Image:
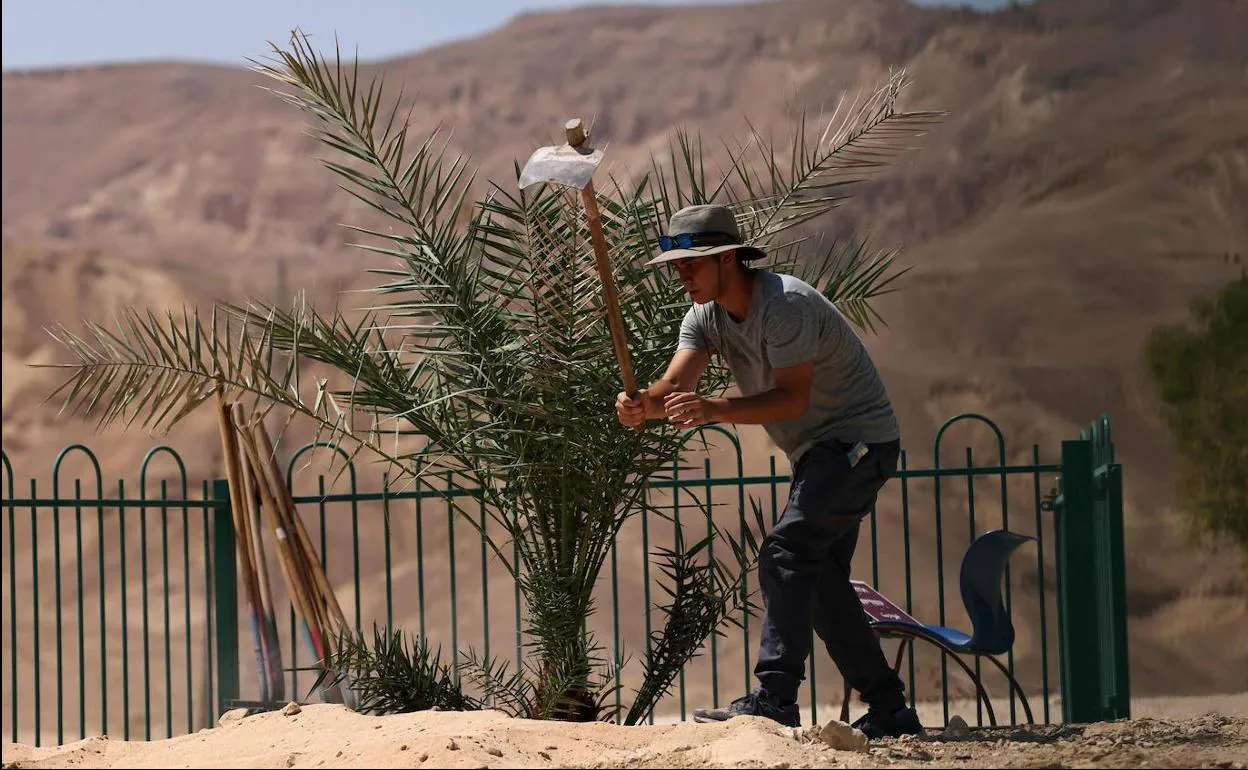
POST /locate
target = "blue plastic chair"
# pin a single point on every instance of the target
(992, 632)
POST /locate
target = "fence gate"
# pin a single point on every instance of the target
(1092, 580)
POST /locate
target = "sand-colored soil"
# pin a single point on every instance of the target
(331, 736)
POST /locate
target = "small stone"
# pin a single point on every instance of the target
(290, 709)
(494, 752)
(232, 716)
(290, 760)
(403, 747)
(808, 734)
(957, 728)
(339, 754)
(543, 755)
(423, 756)
(551, 748)
(452, 746)
(840, 735)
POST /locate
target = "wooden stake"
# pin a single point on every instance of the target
(268, 616)
(295, 582)
(326, 591)
(242, 541)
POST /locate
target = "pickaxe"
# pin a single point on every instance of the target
(573, 165)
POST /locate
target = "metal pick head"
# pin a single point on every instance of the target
(563, 165)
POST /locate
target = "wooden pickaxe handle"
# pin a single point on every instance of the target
(575, 131)
(576, 136)
(614, 318)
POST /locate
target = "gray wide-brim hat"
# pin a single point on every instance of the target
(714, 229)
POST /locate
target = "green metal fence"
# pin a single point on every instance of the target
(148, 635)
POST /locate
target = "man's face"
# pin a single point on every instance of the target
(698, 277)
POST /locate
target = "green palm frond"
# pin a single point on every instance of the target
(704, 593)
(513, 692)
(860, 139)
(393, 675)
(851, 274)
(156, 370)
(426, 190)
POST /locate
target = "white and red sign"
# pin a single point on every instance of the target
(879, 607)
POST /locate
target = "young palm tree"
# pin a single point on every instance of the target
(491, 348)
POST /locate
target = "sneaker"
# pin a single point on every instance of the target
(758, 703)
(876, 724)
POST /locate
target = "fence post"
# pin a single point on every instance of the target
(225, 592)
(1116, 688)
(1080, 626)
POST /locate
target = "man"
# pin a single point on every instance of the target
(807, 379)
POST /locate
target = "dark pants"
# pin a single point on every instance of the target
(804, 571)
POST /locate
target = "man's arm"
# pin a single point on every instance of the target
(682, 374)
(791, 344)
(789, 399)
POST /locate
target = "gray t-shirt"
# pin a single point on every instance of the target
(789, 322)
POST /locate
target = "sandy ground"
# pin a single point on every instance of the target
(331, 736)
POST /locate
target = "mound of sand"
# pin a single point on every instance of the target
(324, 735)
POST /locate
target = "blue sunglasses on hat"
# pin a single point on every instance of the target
(692, 240)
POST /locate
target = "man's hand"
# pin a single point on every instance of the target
(631, 411)
(688, 410)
